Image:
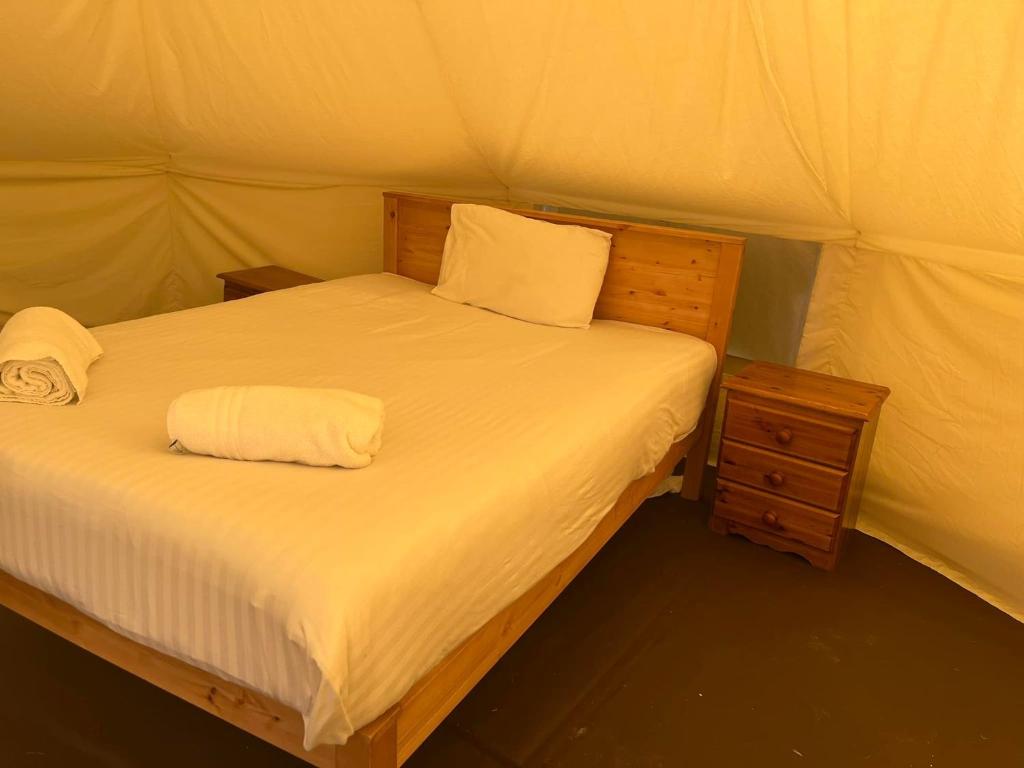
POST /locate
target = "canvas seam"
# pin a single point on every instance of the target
(446, 77)
(177, 282)
(757, 27)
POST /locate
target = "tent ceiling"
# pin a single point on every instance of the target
(893, 121)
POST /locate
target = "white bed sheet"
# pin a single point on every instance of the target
(334, 590)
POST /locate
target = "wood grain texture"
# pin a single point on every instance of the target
(249, 282)
(434, 696)
(787, 431)
(815, 556)
(723, 304)
(250, 711)
(234, 292)
(777, 515)
(809, 389)
(386, 742)
(390, 234)
(794, 456)
(785, 475)
(660, 276)
(372, 746)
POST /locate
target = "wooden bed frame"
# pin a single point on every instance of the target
(661, 276)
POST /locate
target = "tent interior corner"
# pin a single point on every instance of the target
(872, 152)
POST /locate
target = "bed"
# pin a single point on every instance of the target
(342, 615)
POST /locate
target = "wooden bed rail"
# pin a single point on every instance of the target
(661, 276)
(389, 740)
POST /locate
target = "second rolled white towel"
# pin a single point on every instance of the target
(319, 427)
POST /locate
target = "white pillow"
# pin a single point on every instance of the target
(521, 267)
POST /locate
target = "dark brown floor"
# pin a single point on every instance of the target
(674, 648)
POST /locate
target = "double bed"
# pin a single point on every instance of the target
(342, 614)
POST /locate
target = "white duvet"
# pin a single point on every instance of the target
(333, 590)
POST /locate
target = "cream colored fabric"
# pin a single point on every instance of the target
(524, 268)
(146, 146)
(45, 357)
(334, 591)
(947, 473)
(316, 427)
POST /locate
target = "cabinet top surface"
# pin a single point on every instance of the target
(269, 278)
(819, 391)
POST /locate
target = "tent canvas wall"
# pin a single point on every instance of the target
(147, 145)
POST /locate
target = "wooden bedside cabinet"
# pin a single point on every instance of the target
(794, 453)
(249, 282)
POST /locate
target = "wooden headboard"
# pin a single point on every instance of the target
(662, 276)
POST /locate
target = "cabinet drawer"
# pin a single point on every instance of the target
(232, 292)
(821, 441)
(774, 514)
(782, 475)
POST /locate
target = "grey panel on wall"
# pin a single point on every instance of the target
(775, 290)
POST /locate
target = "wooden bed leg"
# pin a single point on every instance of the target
(372, 746)
(696, 462)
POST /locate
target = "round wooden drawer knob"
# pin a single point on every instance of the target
(770, 519)
(783, 436)
(776, 478)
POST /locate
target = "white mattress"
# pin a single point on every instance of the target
(334, 590)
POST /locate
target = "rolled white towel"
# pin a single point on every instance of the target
(44, 356)
(319, 427)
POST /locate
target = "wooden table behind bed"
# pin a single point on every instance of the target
(660, 276)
